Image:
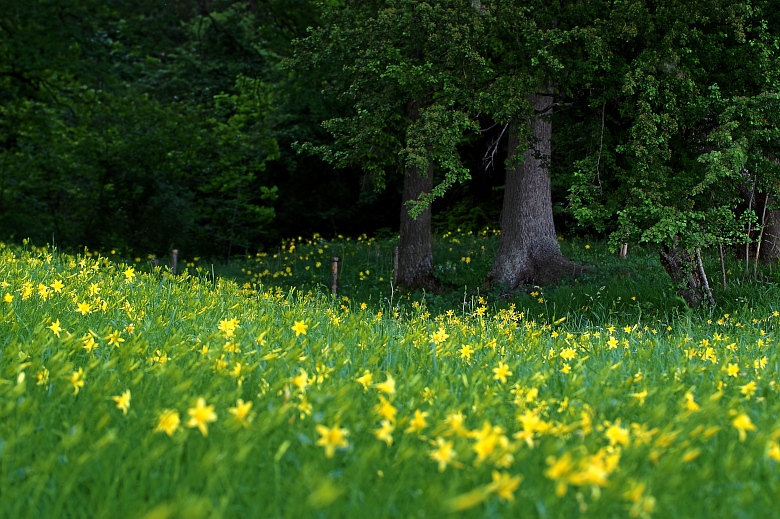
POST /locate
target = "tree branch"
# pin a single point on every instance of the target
(490, 154)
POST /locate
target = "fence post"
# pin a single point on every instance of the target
(334, 275)
(174, 260)
(623, 250)
(395, 265)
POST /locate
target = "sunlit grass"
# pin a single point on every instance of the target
(126, 393)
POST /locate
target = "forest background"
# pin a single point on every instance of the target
(220, 127)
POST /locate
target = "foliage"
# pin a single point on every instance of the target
(399, 66)
(689, 95)
(108, 142)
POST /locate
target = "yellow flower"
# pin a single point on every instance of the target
(439, 336)
(57, 286)
(417, 423)
(501, 372)
(122, 401)
(690, 403)
(388, 386)
(228, 327)
(241, 411)
(742, 423)
(8, 298)
(774, 451)
(77, 379)
(83, 308)
(732, 370)
(129, 273)
(332, 439)
(385, 432)
(168, 422)
(114, 339)
(617, 434)
(55, 327)
(455, 422)
(532, 423)
(504, 485)
(301, 380)
(365, 379)
(748, 389)
(559, 471)
(640, 396)
(201, 415)
(568, 353)
(43, 377)
(89, 343)
(43, 291)
(691, 455)
(443, 454)
(465, 352)
(643, 505)
(486, 440)
(299, 328)
(385, 409)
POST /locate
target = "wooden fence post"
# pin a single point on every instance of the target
(623, 250)
(174, 260)
(334, 275)
(395, 265)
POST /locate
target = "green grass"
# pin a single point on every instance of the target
(617, 291)
(630, 406)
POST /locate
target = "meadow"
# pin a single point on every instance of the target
(249, 390)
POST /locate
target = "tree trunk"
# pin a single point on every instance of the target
(770, 237)
(528, 249)
(769, 219)
(688, 277)
(770, 250)
(415, 254)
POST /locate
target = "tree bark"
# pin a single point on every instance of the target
(528, 249)
(769, 219)
(415, 253)
(770, 237)
(689, 279)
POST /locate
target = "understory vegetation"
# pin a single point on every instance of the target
(126, 391)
